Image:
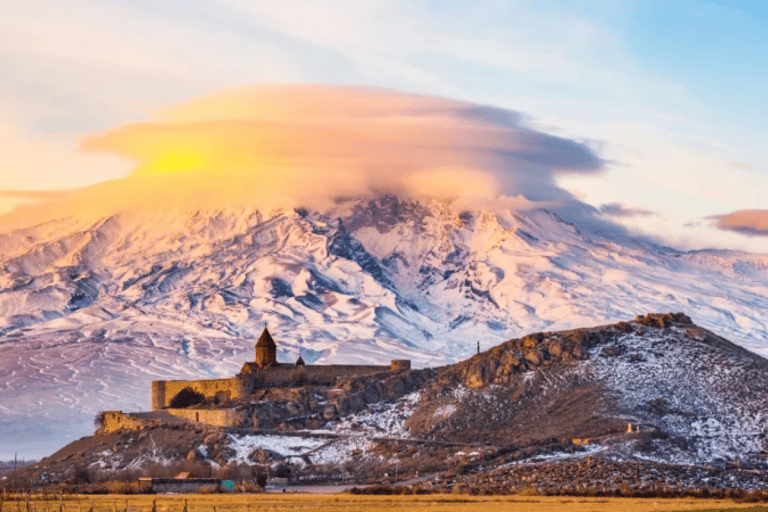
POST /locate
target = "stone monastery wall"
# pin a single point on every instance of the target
(213, 417)
(116, 420)
(295, 376)
(265, 372)
(240, 386)
(163, 391)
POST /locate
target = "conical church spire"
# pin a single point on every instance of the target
(265, 350)
(265, 340)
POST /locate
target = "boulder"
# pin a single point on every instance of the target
(533, 356)
(478, 375)
(532, 340)
(329, 412)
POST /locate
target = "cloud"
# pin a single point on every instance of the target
(33, 195)
(315, 142)
(48, 162)
(743, 166)
(12, 199)
(620, 210)
(746, 222)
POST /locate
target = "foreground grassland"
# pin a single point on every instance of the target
(351, 503)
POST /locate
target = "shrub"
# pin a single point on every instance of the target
(381, 490)
(187, 397)
(249, 487)
(98, 420)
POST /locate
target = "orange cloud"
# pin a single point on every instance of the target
(305, 142)
(11, 199)
(288, 146)
(746, 222)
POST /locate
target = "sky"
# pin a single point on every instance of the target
(658, 108)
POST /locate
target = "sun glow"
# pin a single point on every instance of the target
(173, 161)
(273, 146)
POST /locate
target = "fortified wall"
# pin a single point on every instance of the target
(292, 376)
(164, 391)
(213, 417)
(112, 421)
(118, 420)
(264, 372)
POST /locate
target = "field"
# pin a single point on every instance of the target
(351, 503)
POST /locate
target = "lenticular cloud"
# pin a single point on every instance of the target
(313, 142)
(746, 222)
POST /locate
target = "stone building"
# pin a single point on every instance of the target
(264, 372)
(266, 351)
(180, 484)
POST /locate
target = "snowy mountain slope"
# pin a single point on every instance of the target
(90, 312)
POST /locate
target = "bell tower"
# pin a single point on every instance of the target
(266, 350)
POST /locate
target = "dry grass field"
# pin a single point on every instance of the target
(351, 503)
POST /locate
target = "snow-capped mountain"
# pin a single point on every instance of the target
(91, 312)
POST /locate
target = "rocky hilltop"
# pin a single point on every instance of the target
(652, 402)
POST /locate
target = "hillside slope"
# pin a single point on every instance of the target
(693, 399)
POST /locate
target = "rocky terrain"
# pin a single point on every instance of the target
(652, 403)
(598, 476)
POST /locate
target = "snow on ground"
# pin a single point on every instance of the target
(320, 450)
(287, 446)
(713, 397)
(353, 435)
(444, 411)
(380, 420)
(588, 451)
(111, 460)
(342, 450)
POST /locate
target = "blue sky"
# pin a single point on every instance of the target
(715, 50)
(669, 93)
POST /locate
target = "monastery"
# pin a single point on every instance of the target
(264, 372)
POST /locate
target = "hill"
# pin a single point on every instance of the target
(555, 406)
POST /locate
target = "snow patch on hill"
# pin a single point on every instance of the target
(702, 395)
